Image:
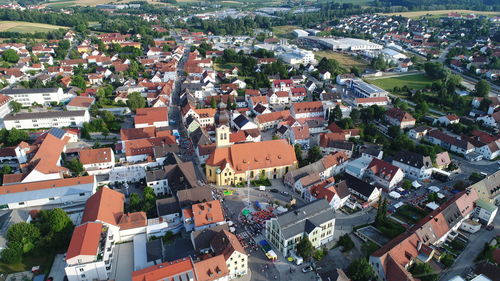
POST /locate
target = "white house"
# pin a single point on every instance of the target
(384, 174)
(485, 211)
(414, 165)
(307, 110)
(97, 161)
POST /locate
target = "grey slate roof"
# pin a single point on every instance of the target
(202, 238)
(188, 197)
(305, 218)
(154, 250)
(167, 206)
(413, 159)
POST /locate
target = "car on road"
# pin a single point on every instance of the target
(274, 190)
(284, 193)
(489, 227)
(307, 269)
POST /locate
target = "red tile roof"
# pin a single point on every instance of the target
(39, 185)
(80, 101)
(151, 115)
(133, 220)
(207, 213)
(106, 205)
(211, 269)
(166, 271)
(85, 240)
(94, 156)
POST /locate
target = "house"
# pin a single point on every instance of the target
(201, 239)
(300, 135)
(279, 98)
(414, 165)
(43, 96)
(315, 220)
(487, 188)
(336, 194)
(241, 122)
(228, 246)
(171, 178)
(325, 75)
(327, 167)
(212, 268)
(271, 120)
(443, 160)
(97, 161)
(393, 260)
(152, 116)
(282, 85)
(362, 190)
(418, 132)
(485, 212)
(89, 253)
(46, 119)
(80, 103)
(400, 118)
(345, 79)
(490, 120)
(333, 142)
(307, 110)
(42, 193)
(448, 120)
(490, 150)
(232, 164)
(384, 174)
(204, 215)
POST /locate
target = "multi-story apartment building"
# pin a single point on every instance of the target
(43, 96)
(47, 119)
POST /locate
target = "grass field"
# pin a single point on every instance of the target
(417, 14)
(27, 27)
(413, 81)
(284, 30)
(346, 61)
(68, 3)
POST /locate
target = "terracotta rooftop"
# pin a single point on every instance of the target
(94, 156)
(106, 205)
(80, 101)
(182, 269)
(23, 187)
(211, 269)
(133, 220)
(207, 213)
(85, 240)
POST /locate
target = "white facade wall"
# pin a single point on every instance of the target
(41, 98)
(87, 272)
(56, 122)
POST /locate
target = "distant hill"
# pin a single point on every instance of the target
(427, 4)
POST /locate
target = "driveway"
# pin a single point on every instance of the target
(57, 271)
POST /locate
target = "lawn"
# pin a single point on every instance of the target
(44, 261)
(390, 228)
(345, 60)
(413, 81)
(409, 213)
(27, 27)
(284, 30)
(226, 66)
(417, 14)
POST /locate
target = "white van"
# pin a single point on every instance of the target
(262, 188)
(298, 260)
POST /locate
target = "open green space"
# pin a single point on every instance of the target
(27, 27)
(37, 258)
(284, 30)
(412, 81)
(409, 214)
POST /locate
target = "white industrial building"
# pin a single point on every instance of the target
(43, 96)
(345, 44)
(42, 193)
(47, 119)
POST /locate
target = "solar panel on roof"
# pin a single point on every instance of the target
(58, 133)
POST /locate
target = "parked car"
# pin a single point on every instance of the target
(274, 190)
(307, 269)
(489, 227)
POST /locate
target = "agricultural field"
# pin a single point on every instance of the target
(67, 3)
(413, 81)
(27, 27)
(346, 61)
(417, 14)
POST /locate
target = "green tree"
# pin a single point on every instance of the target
(314, 154)
(135, 101)
(75, 166)
(11, 256)
(298, 152)
(422, 108)
(58, 220)
(10, 55)
(435, 70)
(24, 235)
(15, 136)
(407, 184)
(79, 82)
(355, 115)
(107, 116)
(394, 131)
(213, 102)
(335, 115)
(482, 88)
(360, 270)
(305, 248)
(346, 242)
(424, 272)
(15, 106)
(134, 202)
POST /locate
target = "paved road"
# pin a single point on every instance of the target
(465, 261)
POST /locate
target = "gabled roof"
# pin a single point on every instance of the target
(183, 269)
(98, 155)
(383, 169)
(225, 243)
(106, 205)
(211, 269)
(85, 240)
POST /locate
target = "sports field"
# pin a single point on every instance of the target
(27, 27)
(417, 14)
(413, 81)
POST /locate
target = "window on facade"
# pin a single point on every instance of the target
(82, 194)
(21, 203)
